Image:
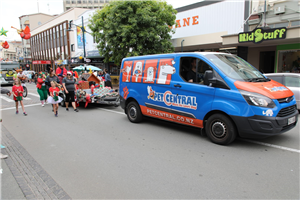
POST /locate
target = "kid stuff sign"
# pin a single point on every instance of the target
(259, 35)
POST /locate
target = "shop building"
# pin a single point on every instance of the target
(200, 26)
(87, 4)
(51, 40)
(32, 21)
(217, 26)
(271, 53)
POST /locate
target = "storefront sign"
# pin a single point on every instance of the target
(187, 21)
(35, 62)
(96, 60)
(259, 35)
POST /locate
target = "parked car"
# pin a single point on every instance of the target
(290, 80)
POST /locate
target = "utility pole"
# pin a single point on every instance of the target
(38, 5)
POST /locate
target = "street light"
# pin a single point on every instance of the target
(83, 35)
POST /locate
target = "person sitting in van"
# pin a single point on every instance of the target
(191, 75)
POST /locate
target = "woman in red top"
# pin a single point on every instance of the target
(17, 91)
(54, 98)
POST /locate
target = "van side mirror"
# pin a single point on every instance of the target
(209, 77)
(211, 80)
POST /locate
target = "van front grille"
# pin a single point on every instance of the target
(287, 111)
(286, 100)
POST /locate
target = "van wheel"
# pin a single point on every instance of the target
(220, 129)
(134, 113)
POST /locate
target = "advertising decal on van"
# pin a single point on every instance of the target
(271, 89)
(165, 71)
(126, 71)
(173, 99)
(137, 73)
(192, 121)
(150, 71)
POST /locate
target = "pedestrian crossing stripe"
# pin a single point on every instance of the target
(36, 95)
(11, 100)
(6, 99)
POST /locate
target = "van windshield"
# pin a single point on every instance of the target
(236, 68)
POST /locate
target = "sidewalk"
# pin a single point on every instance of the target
(24, 178)
(9, 186)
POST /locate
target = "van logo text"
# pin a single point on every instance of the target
(170, 99)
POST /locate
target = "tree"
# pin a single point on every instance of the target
(133, 28)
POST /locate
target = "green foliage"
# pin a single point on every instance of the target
(133, 28)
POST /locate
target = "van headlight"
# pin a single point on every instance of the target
(255, 99)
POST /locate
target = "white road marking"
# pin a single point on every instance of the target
(121, 113)
(251, 141)
(272, 145)
(6, 99)
(36, 95)
(11, 108)
(27, 98)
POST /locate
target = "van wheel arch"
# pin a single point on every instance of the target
(133, 111)
(218, 112)
(128, 101)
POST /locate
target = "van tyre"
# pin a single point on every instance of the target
(134, 113)
(220, 129)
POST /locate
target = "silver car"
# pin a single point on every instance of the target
(290, 80)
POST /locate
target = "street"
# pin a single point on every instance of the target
(98, 154)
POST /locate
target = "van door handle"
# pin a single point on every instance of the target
(177, 85)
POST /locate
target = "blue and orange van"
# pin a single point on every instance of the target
(217, 92)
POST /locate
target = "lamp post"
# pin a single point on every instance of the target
(182, 45)
(83, 36)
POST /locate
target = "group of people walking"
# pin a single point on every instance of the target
(50, 86)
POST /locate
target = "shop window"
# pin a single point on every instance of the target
(84, 1)
(101, 1)
(90, 1)
(95, 1)
(72, 47)
(107, 1)
(285, 24)
(79, 1)
(67, 2)
(288, 61)
(73, 2)
(114, 70)
(295, 23)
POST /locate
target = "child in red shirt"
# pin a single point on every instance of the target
(17, 91)
(54, 98)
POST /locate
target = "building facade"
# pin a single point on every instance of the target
(201, 25)
(223, 26)
(273, 30)
(51, 40)
(32, 21)
(88, 4)
(13, 52)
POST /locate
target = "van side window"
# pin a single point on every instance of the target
(192, 69)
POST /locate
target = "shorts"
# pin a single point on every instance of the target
(70, 97)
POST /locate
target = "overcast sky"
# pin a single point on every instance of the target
(11, 10)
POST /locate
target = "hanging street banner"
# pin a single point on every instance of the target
(259, 35)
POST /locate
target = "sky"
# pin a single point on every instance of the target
(11, 10)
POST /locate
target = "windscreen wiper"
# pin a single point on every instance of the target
(258, 80)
